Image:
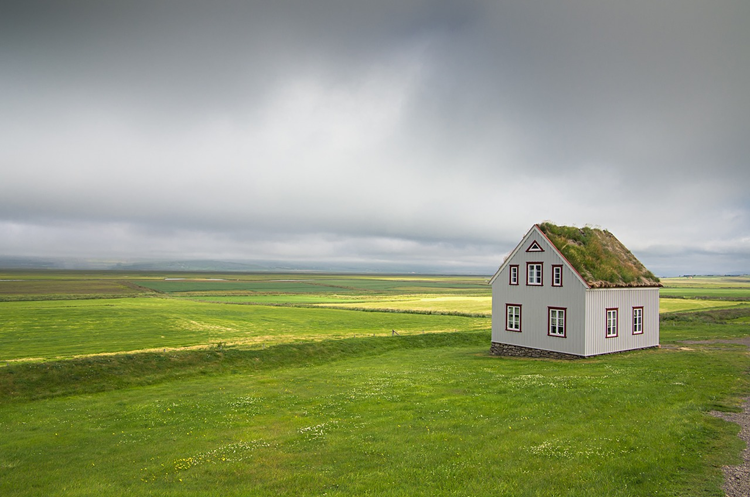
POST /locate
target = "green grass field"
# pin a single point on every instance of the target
(708, 287)
(684, 305)
(243, 398)
(385, 416)
(708, 282)
(67, 328)
(320, 284)
(707, 293)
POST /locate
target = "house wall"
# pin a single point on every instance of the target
(535, 301)
(622, 299)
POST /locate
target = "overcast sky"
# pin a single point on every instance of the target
(407, 132)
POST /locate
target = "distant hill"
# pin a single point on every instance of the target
(29, 263)
(194, 265)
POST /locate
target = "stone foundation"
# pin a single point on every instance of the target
(507, 350)
(504, 349)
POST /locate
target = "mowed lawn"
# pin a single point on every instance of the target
(429, 417)
(50, 329)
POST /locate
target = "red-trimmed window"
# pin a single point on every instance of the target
(534, 273)
(557, 275)
(611, 323)
(513, 317)
(513, 275)
(556, 321)
(637, 320)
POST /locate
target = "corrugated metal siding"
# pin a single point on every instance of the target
(535, 301)
(622, 299)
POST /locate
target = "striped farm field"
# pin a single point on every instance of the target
(281, 298)
(738, 293)
(54, 329)
(301, 284)
(707, 282)
(69, 288)
(684, 305)
(708, 287)
(458, 304)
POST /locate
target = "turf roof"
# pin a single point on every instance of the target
(599, 257)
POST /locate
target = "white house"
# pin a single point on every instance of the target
(567, 291)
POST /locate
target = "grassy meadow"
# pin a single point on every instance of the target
(249, 384)
(61, 329)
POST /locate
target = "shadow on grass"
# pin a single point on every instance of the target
(32, 381)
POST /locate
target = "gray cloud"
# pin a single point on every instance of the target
(387, 131)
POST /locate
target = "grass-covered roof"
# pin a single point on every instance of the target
(599, 257)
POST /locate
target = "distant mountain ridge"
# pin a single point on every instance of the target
(191, 265)
(220, 266)
(28, 263)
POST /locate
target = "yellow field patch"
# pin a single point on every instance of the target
(433, 303)
(483, 305)
(189, 324)
(677, 305)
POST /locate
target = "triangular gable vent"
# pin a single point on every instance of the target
(534, 247)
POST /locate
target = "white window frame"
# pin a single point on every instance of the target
(536, 273)
(513, 279)
(638, 320)
(513, 317)
(612, 323)
(557, 273)
(556, 325)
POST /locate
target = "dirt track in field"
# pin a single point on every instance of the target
(737, 478)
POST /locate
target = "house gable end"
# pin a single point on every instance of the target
(510, 257)
(535, 241)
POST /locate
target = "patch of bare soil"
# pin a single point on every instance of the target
(737, 478)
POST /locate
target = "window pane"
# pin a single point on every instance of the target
(557, 322)
(534, 274)
(514, 318)
(612, 322)
(637, 320)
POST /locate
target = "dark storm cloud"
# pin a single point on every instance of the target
(375, 131)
